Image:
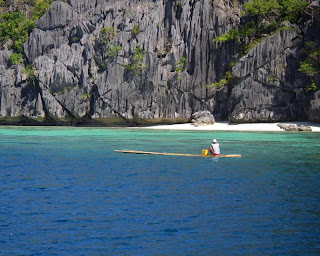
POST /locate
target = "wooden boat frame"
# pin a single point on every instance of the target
(170, 154)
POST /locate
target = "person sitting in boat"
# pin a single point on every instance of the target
(214, 148)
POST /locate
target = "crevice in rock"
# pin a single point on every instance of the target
(93, 92)
(48, 116)
(168, 17)
(66, 109)
(201, 100)
(96, 96)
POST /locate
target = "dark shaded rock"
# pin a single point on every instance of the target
(203, 118)
(314, 112)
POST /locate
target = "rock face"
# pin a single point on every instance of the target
(202, 118)
(88, 67)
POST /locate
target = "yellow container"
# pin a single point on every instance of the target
(204, 152)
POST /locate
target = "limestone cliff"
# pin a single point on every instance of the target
(112, 61)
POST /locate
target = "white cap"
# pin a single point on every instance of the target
(214, 141)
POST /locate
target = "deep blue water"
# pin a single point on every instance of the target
(63, 191)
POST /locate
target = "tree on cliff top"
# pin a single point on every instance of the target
(16, 27)
(14, 22)
(268, 15)
(271, 13)
(263, 18)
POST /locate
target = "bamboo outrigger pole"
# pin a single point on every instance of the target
(169, 154)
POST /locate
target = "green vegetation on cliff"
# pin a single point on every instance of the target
(135, 31)
(310, 65)
(15, 58)
(262, 18)
(107, 34)
(31, 73)
(106, 37)
(40, 7)
(268, 15)
(16, 25)
(136, 63)
(276, 11)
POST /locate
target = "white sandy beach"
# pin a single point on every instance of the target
(227, 126)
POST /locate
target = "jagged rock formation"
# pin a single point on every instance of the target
(84, 77)
(294, 128)
(202, 118)
(270, 88)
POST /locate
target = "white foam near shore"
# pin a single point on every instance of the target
(227, 126)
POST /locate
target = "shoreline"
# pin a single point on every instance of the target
(218, 126)
(228, 126)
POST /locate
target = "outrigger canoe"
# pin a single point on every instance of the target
(169, 154)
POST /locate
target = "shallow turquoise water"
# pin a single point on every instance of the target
(65, 192)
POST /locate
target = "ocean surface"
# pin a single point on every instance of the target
(63, 191)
